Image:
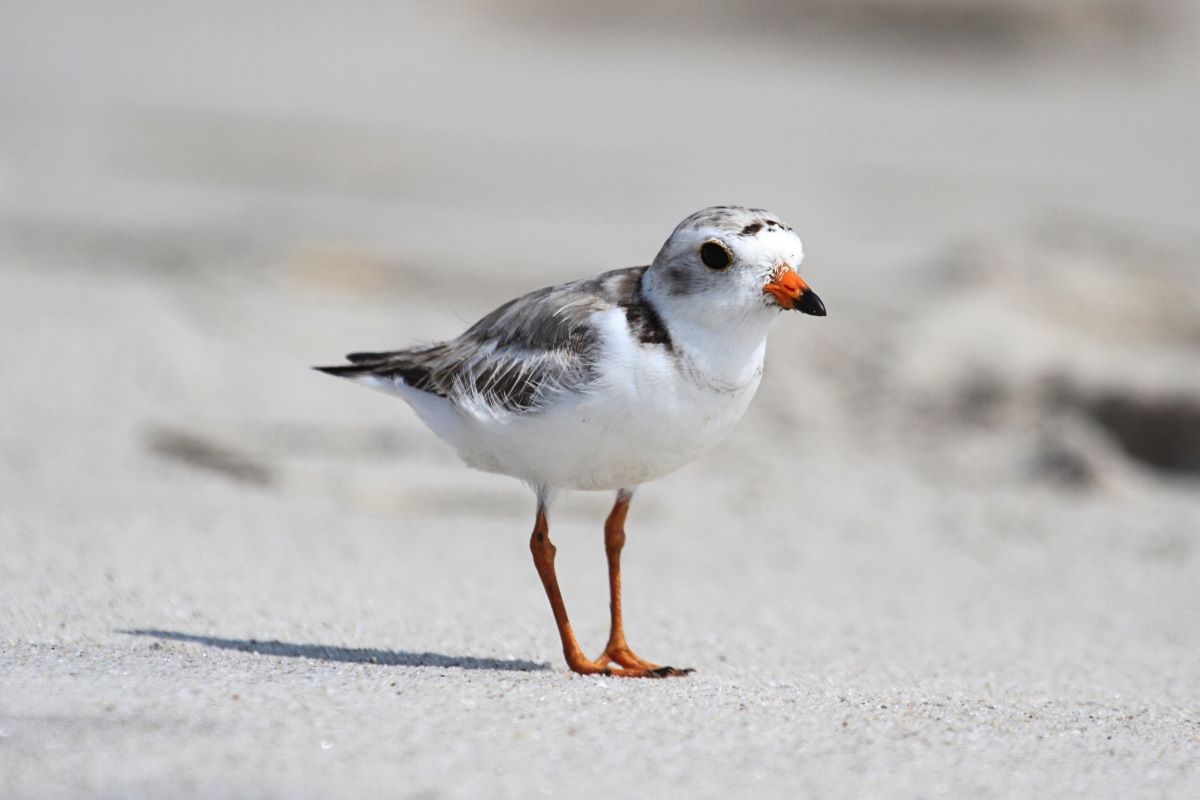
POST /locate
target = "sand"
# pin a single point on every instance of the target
(953, 549)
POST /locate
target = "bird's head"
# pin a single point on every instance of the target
(727, 264)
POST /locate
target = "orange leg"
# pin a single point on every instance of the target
(543, 558)
(617, 648)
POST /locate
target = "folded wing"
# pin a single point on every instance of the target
(517, 359)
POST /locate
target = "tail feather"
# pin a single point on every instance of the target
(409, 366)
(360, 364)
(414, 375)
(346, 370)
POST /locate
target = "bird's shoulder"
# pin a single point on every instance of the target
(560, 317)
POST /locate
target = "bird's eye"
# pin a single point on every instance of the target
(715, 255)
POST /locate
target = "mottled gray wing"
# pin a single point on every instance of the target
(520, 356)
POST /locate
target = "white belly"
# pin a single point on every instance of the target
(650, 413)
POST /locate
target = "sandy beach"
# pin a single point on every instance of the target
(952, 550)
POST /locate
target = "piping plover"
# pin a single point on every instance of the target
(608, 382)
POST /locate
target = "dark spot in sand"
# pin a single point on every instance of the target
(1162, 432)
(205, 454)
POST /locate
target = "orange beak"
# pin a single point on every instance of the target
(791, 292)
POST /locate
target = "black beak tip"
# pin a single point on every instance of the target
(810, 304)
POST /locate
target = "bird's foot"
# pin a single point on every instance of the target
(619, 672)
(584, 666)
(635, 666)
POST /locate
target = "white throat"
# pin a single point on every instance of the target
(722, 356)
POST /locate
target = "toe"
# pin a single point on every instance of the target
(668, 672)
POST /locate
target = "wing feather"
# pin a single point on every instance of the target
(519, 357)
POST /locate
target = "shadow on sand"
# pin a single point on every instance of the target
(352, 655)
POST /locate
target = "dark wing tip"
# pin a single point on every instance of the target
(360, 364)
(342, 371)
(363, 358)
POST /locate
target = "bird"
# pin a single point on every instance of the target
(608, 382)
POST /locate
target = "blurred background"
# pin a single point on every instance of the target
(983, 465)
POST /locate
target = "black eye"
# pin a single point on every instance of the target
(715, 255)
